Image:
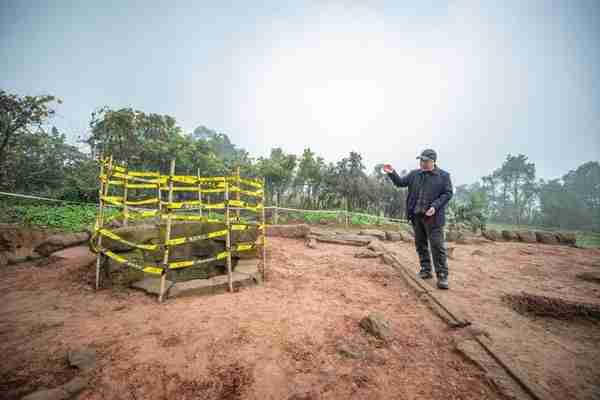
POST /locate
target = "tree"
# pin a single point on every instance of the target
(512, 189)
(278, 171)
(19, 117)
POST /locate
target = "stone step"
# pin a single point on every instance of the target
(246, 274)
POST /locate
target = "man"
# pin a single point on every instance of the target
(429, 190)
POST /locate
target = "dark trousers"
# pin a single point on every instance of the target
(428, 235)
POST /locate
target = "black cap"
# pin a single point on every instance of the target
(428, 154)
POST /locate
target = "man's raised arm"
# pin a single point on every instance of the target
(399, 181)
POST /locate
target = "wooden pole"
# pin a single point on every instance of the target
(237, 193)
(199, 191)
(264, 233)
(159, 195)
(163, 277)
(100, 219)
(125, 208)
(228, 238)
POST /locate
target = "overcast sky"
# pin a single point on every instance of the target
(387, 79)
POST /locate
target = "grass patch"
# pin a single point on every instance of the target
(71, 218)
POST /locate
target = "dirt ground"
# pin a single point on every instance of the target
(561, 356)
(297, 336)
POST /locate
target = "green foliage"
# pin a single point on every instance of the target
(468, 208)
(60, 217)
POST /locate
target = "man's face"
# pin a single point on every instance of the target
(426, 165)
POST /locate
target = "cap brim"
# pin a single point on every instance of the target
(424, 158)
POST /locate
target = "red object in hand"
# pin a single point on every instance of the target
(388, 169)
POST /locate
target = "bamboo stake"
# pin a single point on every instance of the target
(100, 219)
(125, 208)
(163, 277)
(237, 193)
(264, 233)
(228, 239)
(199, 191)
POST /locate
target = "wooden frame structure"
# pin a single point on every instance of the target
(120, 177)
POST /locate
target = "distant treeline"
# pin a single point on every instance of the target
(36, 159)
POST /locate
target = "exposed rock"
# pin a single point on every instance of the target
(526, 236)
(567, 238)
(509, 235)
(61, 241)
(347, 351)
(311, 243)
(454, 235)
(373, 232)
(492, 234)
(546, 237)
(289, 231)
(64, 392)
(450, 252)
(387, 259)
(394, 236)
(409, 236)
(478, 253)
(377, 246)
(319, 232)
(590, 276)
(84, 359)
(75, 385)
(352, 240)
(368, 254)
(377, 325)
(48, 394)
(463, 240)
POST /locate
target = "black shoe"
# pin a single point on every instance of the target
(423, 274)
(442, 282)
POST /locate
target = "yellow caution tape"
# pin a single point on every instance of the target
(251, 182)
(180, 188)
(185, 217)
(183, 204)
(215, 206)
(137, 179)
(114, 236)
(185, 179)
(237, 203)
(180, 264)
(143, 173)
(185, 264)
(256, 193)
(118, 168)
(211, 179)
(141, 186)
(244, 246)
(122, 260)
(141, 202)
(140, 214)
(153, 270)
(210, 235)
(114, 200)
(212, 190)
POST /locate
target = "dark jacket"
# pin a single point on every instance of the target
(441, 192)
